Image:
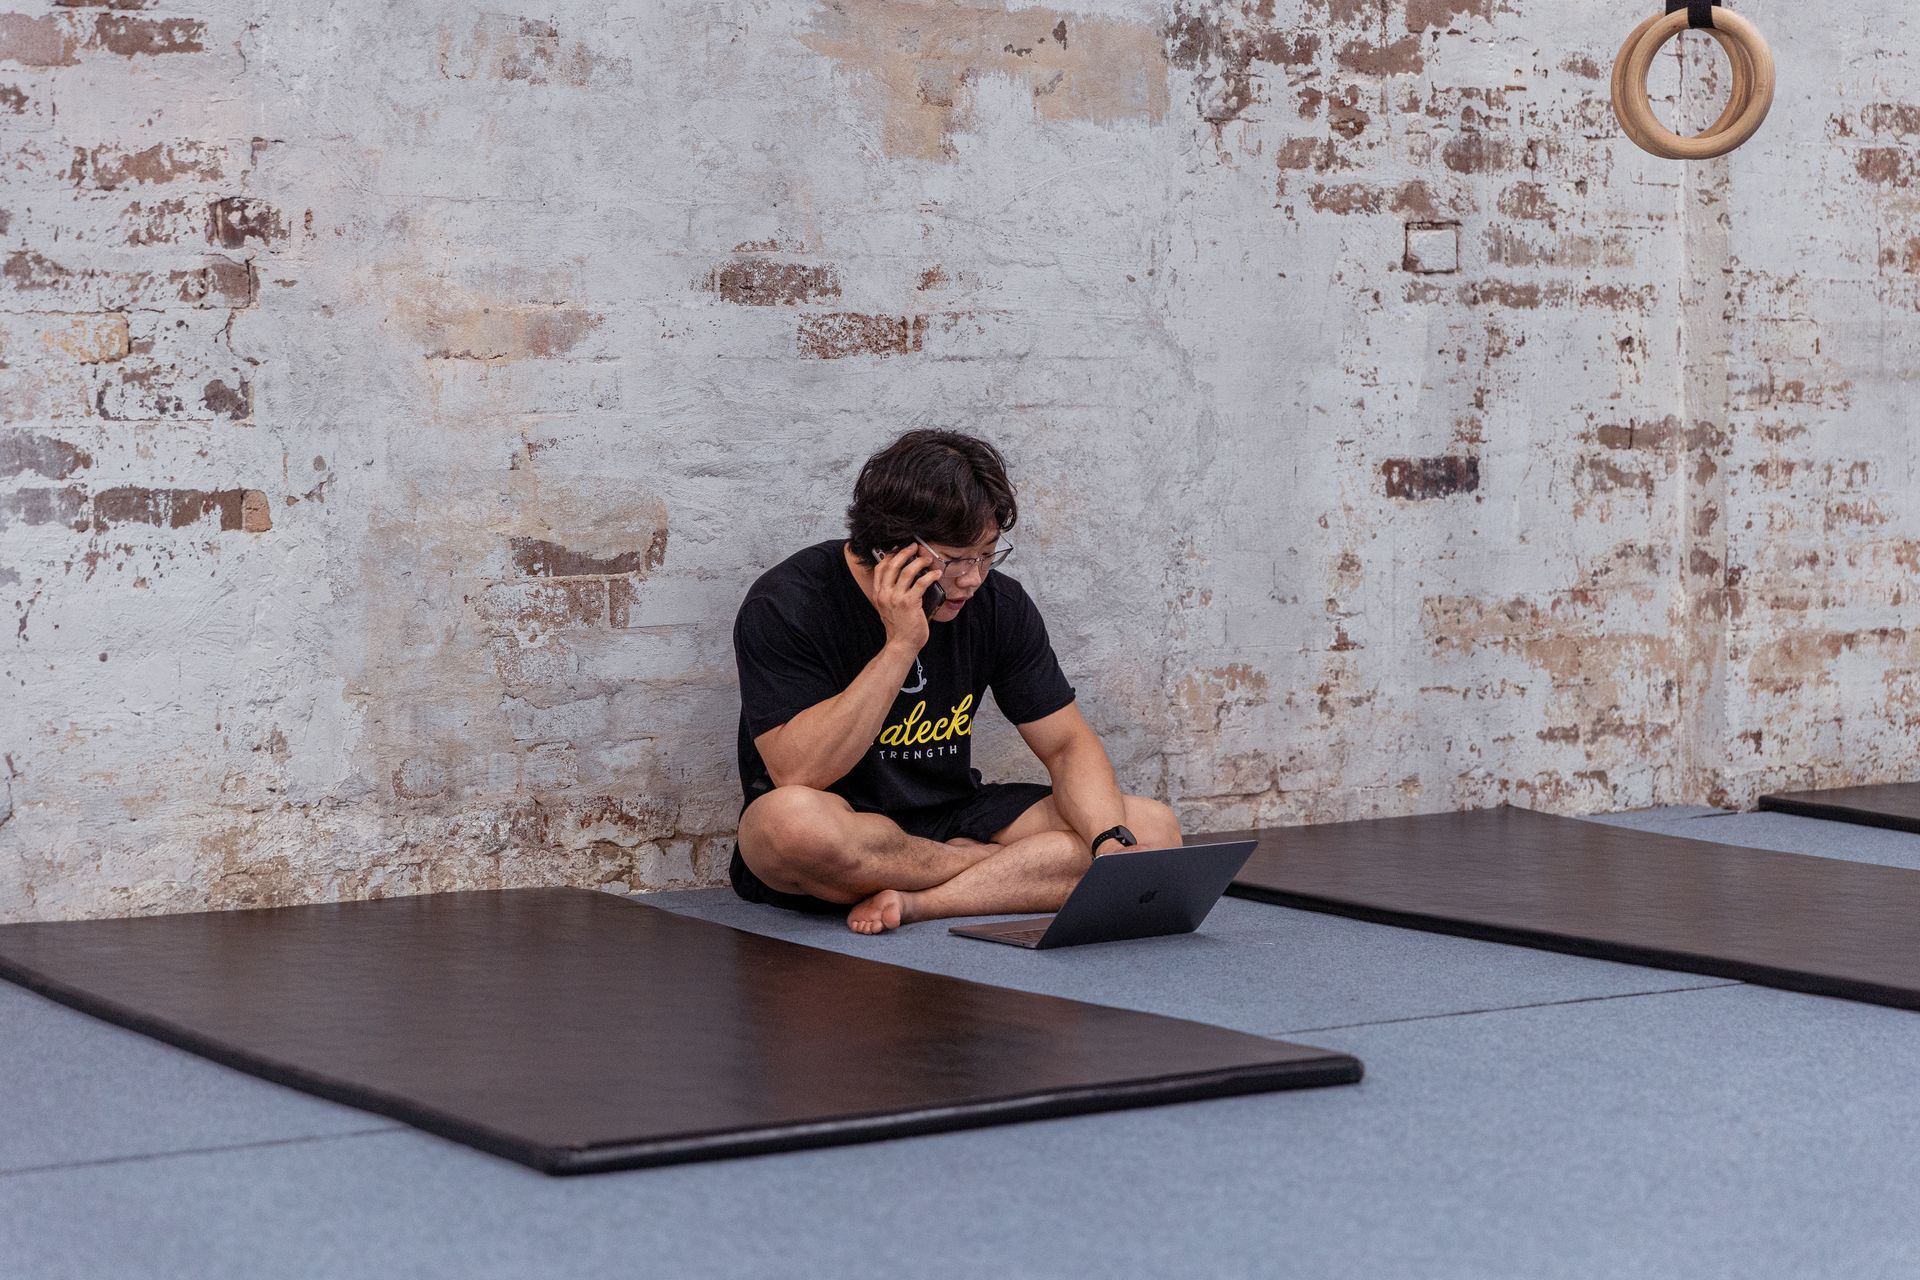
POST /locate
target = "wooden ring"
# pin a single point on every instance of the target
(1753, 81)
(1737, 100)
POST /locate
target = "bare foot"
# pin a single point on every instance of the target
(885, 910)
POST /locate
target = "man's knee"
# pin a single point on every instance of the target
(1154, 825)
(794, 838)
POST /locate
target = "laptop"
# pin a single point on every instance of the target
(1142, 893)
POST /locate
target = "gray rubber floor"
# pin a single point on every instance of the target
(1524, 1114)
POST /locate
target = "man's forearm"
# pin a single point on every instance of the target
(819, 746)
(1085, 790)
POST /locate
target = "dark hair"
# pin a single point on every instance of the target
(939, 485)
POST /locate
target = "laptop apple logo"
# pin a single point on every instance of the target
(1148, 896)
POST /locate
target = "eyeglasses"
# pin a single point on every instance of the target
(956, 566)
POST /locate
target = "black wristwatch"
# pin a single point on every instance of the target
(1124, 836)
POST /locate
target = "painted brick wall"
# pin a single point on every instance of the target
(398, 401)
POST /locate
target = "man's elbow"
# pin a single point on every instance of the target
(773, 757)
(798, 775)
(783, 776)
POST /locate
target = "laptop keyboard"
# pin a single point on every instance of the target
(1025, 935)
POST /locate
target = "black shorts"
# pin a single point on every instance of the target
(977, 817)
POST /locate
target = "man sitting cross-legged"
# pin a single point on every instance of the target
(857, 709)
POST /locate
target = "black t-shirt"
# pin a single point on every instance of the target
(806, 630)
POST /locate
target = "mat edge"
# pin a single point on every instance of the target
(1619, 953)
(1331, 1068)
(1838, 813)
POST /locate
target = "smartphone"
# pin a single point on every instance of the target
(935, 595)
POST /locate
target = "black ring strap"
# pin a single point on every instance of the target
(1699, 12)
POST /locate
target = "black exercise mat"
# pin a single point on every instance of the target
(576, 1031)
(1834, 928)
(1894, 804)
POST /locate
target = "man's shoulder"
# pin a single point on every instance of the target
(798, 586)
(1005, 592)
(1011, 612)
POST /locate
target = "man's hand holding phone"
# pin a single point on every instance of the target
(904, 583)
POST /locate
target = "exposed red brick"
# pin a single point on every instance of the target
(1287, 48)
(1423, 14)
(541, 559)
(26, 269)
(1197, 37)
(762, 282)
(836, 335)
(1887, 165)
(222, 282)
(1422, 478)
(1352, 197)
(1201, 39)
(228, 402)
(545, 604)
(1401, 58)
(45, 506)
(1347, 119)
(1527, 201)
(132, 37)
(1902, 257)
(623, 599)
(1475, 153)
(932, 278)
(1415, 198)
(236, 219)
(13, 99)
(1615, 297)
(1901, 119)
(109, 168)
(1501, 293)
(1230, 100)
(1652, 436)
(1603, 475)
(1583, 66)
(1297, 153)
(237, 509)
(156, 222)
(42, 40)
(105, 4)
(1507, 247)
(144, 391)
(21, 452)
(1350, 12)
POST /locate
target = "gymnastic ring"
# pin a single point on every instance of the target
(1736, 101)
(1636, 114)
